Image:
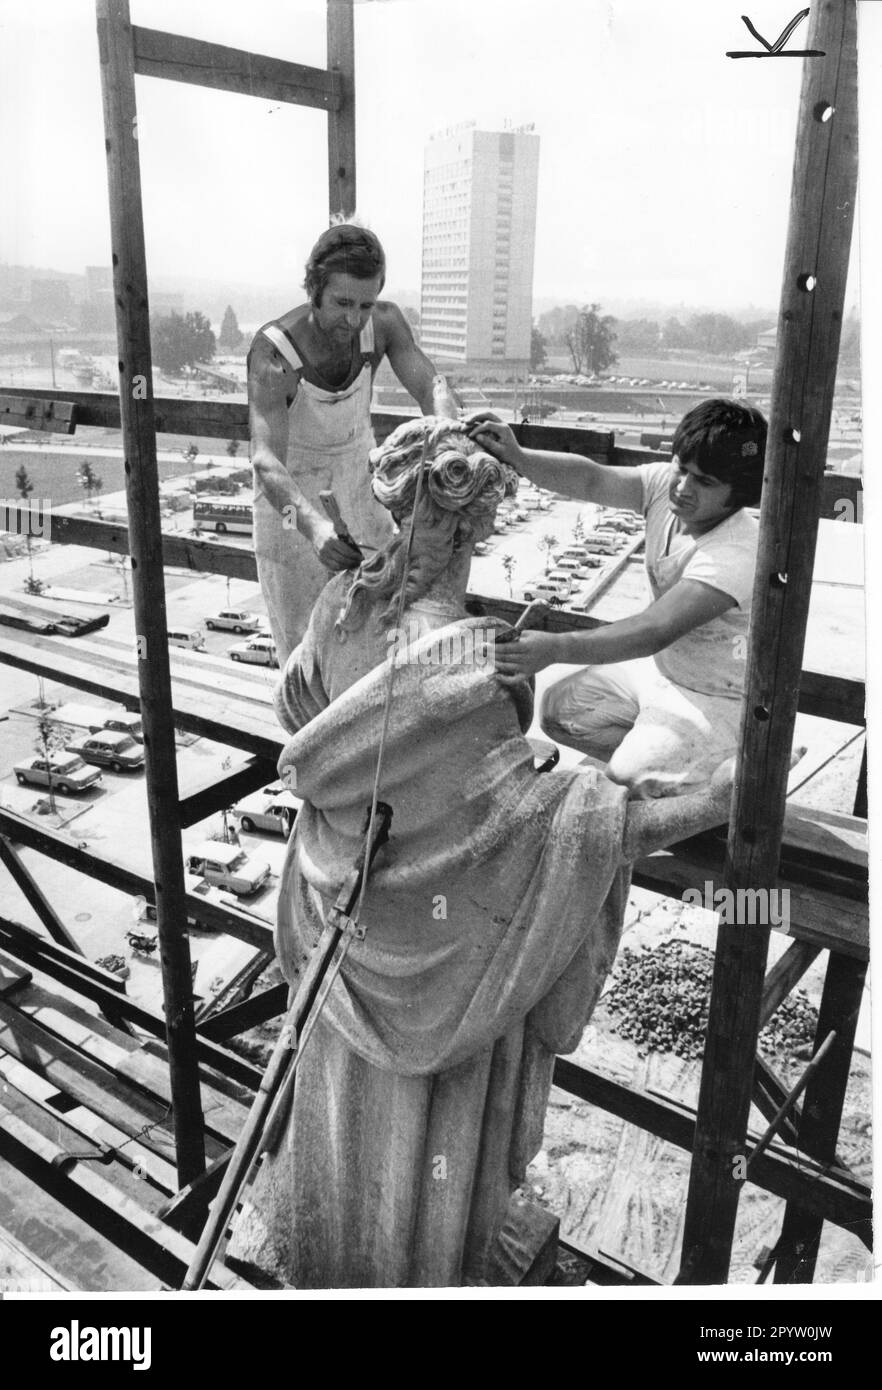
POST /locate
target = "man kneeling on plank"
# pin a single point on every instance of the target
(658, 698)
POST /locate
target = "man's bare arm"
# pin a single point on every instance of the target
(570, 474)
(414, 370)
(271, 384)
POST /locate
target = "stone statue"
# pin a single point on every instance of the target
(493, 914)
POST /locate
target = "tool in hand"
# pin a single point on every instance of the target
(269, 1104)
(331, 506)
(532, 610)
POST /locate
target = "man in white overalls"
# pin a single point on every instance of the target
(310, 374)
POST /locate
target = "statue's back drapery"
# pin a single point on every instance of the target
(493, 918)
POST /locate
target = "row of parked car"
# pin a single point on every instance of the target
(575, 562)
(259, 650)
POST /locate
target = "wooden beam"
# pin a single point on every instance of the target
(815, 270)
(115, 49)
(180, 59)
(797, 1247)
(131, 879)
(239, 723)
(36, 897)
(227, 1023)
(227, 789)
(341, 121)
(14, 935)
(831, 1194)
(52, 416)
(784, 975)
(227, 1063)
(100, 1203)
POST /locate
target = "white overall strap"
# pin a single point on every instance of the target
(282, 343)
(366, 341)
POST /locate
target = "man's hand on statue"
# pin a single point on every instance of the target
(492, 434)
(531, 652)
(334, 553)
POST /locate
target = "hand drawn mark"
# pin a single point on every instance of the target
(776, 49)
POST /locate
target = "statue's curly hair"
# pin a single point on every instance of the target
(462, 487)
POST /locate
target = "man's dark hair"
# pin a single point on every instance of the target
(343, 249)
(727, 440)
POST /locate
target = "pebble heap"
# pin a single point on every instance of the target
(660, 996)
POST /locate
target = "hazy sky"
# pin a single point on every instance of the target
(664, 166)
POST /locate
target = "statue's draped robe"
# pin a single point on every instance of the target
(493, 918)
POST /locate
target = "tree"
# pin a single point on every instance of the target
(579, 530)
(719, 334)
(230, 334)
(509, 564)
(548, 544)
(232, 448)
(90, 481)
(181, 341)
(591, 339)
(638, 335)
(556, 323)
(676, 336)
(51, 738)
(538, 346)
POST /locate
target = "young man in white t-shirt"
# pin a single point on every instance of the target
(659, 701)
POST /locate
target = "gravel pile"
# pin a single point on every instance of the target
(660, 996)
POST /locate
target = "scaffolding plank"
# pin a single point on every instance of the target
(341, 121)
(181, 59)
(829, 1193)
(50, 416)
(209, 1053)
(135, 1229)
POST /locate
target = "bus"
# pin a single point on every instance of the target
(223, 514)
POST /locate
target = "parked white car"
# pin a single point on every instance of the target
(260, 650)
(234, 620)
(553, 592)
(227, 866)
(271, 811)
(110, 749)
(66, 771)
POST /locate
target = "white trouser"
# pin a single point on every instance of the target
(656, 738)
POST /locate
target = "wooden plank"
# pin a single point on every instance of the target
(341, 121)
(92, 1126)
(836, 1196)
(180, 59)
(224, 1116)
(269, 1003)
(787, 971)
(34, 895)
(40, 948)
(227, 790)
(207, 1052)
(239, 722)
(821, 1115)
(23, 1271)
(815, 270)
(135, 362)
(137, 1231)
(133, 1112)
(107, 868)
(51, 416)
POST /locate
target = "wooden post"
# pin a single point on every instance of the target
(797, 1247)
(819, 238)
(341, 122)
(148, 582)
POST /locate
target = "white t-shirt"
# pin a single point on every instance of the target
(712, 658)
